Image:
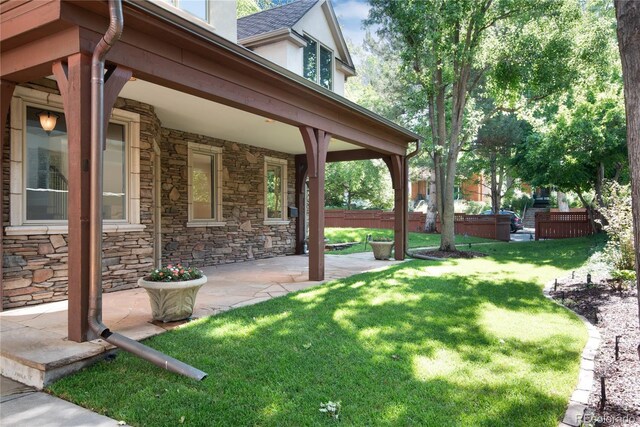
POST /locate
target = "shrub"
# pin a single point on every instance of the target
(619, 250)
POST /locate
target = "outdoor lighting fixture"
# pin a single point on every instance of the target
(269, 120)
(48, 121)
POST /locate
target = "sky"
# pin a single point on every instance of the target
(350, 14)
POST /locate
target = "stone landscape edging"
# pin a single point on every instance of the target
(579, 399)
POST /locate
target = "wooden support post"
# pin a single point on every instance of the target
(6, 92)
(74, 82)
(301, 179)
(395, 163)
(316, 143)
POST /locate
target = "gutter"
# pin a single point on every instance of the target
(94, 317)
(202, 33)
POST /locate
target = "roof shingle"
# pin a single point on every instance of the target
(284, 16)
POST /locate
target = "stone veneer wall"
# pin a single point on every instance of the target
(245, 235)
(35, 266)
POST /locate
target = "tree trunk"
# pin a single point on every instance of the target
(628, 17)
(432, 206)
(563, 204)
(589, 208)
(495, 202)
(599, 183)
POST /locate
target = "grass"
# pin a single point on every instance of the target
(453, 343)
(416, 240)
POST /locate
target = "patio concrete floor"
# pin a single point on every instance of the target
(34, 349)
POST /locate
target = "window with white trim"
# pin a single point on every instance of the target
(204, 185)
(318, 63)
(46, 157)
(275, 189)
(40, 168)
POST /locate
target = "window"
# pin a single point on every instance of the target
(197, 8)
(205, 185)
(46, 170)
(275, 189)
(318, 63)
(40, 168)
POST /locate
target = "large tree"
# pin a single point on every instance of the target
(490, 154)
(583, 145)
(449, 47)
(358, 184)
(628, 18)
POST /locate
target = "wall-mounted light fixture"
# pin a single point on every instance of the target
(48, 121)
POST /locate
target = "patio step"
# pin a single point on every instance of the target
(529, 220)
(37, 358)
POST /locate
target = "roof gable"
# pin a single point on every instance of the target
(267, 21)
(272, 24)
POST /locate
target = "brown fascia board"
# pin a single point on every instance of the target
(29, 20)
(296, 82)
(273, 37)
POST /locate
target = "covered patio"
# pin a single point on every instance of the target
(35, 350)
(196, 82)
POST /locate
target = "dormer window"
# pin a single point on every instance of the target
(318, 63)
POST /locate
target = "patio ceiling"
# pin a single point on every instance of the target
(189, 113)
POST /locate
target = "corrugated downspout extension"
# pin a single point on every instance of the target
(95, 270)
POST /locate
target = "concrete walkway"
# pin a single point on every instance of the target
(35, 350)
(23, 406)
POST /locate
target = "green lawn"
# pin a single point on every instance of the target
(416, 240)
(453, 343)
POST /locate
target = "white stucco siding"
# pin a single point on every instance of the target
(284, 53)
(294, 58)
(222, 16)
(315, 24)
(275, 52)
(338, 82)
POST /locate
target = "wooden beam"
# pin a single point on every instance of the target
(6, 92)
(301, 180)
(316, 143)
(350, 155)
(114, 80)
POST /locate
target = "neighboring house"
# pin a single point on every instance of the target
(473, 189)
(209, 144)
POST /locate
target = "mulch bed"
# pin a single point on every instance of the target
(614, 313)
(456, 254)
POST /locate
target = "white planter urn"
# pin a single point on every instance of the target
(381, 250)
(172, 301)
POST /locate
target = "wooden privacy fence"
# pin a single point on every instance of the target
(562, 225)
(496, 227)
(370, 219)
